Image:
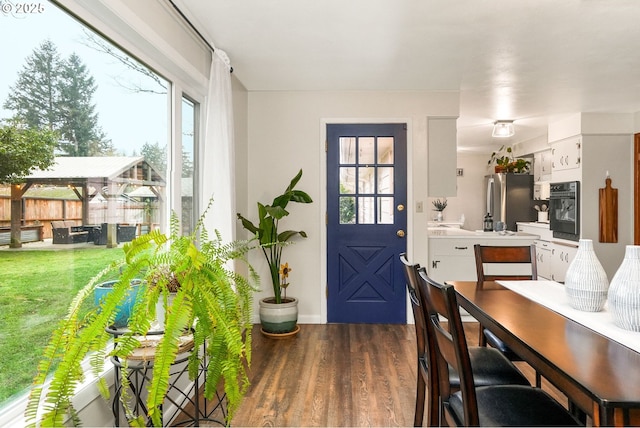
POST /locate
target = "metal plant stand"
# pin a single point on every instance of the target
(188, 407)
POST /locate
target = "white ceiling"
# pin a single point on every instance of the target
(531, 61)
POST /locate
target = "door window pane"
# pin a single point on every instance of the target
(366, 150)
(347, 150)
(385, 150)
(385, 210)
(385, 179)
(347, 210)
(366, 210)
(347, 180)
(366, 179)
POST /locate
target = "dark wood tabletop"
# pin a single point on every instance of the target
(599, 375)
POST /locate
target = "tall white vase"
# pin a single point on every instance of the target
(586, 282)
(624, 292)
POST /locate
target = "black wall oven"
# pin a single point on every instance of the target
(564, 210)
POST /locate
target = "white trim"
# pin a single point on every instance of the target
(322, 232)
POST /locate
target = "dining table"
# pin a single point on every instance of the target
(593, 364)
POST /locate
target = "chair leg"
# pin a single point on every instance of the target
(482, 340)
(420, 398)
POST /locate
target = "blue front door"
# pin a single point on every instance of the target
(366, 222)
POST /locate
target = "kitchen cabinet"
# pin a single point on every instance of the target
(553, 256)
(566, 154)
(561, 256)
(542, 166)
(442, 159)
(543, 259)
(453, 258)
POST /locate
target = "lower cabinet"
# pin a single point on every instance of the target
(543, 259)
(561, 256)
(454, 259)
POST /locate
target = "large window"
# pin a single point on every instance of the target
(112, 115)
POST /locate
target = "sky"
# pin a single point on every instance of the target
(129, 119)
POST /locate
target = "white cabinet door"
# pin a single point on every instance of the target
(543, 259)
(561, 256)
(566, 154)
(542, 166)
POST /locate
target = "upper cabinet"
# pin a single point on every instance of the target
(542, 166)
(566, 154)
(442, 144)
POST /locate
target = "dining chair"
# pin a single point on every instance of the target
(423, 379)
(489, 366)
(473, 405)
(496, 258)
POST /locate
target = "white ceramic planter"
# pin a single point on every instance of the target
(278, 318)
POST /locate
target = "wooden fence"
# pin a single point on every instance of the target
(45, 210)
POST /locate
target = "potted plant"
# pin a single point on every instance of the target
(505, 162)
(278, 313)
(211, 301)
(439, 206)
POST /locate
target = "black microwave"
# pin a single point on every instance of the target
(564, 210)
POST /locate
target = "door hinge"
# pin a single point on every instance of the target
(326, 146)
(326, 291)
(326, 219)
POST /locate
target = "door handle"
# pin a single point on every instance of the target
(400, 207)
(400, 233)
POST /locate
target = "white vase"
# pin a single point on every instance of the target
(624, 292)
(586, 282)
(439, 216)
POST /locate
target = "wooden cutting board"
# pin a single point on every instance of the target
(608, 213)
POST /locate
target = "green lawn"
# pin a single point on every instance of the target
(36, 288)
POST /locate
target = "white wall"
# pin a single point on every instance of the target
(286, 133)
(469, 198)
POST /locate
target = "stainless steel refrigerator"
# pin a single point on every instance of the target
(508, 198)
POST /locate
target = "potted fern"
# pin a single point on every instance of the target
(278, 314)
(211, 301)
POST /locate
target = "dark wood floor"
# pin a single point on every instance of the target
(337, 375)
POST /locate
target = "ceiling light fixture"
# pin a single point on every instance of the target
(503, 129)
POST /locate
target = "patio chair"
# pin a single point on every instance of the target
(66, 232)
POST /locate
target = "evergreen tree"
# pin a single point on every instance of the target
(79, 127)
(156, 156)
(57, 95)
(35, 96)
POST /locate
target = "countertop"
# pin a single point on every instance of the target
(449, 232)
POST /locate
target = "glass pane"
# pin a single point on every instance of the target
(111, 115)
(347, 180)
(366, 180)
(366, 148)
(188, 138)
(385, 179)
(347, 210)
(366, 210)
(385, 210)
(385, 150)
(347, 150)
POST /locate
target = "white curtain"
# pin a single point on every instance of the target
(217, 156)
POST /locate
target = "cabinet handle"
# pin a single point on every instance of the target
(460, 248)
(566, 160)
(578, 161)
(434, 264)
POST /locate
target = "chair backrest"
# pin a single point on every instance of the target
(410, 274)
(451, 346)
(497, 255)
(58, 224)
